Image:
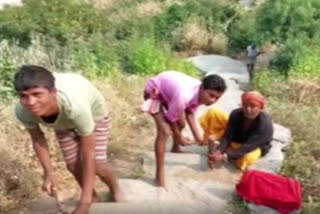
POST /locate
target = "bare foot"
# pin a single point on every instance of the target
(160, 180)
(210, 165)
(95, 199)
(160, 183)
(176, 149)
(119, 197)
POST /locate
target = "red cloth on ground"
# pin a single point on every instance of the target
(271, 190)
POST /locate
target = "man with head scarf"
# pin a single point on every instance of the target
(248, 133)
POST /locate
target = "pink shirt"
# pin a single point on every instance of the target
(179, 91)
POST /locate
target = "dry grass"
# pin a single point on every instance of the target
(131, 131)
(268, 47)
(103, 4)
(43, 52)
(304, 91)
(135, 10)
(20, 171)
(217, 44)
(295, 104)
(149, 9)
(193, 36)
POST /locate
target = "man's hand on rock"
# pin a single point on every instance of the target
(50, 183)
(219, 157)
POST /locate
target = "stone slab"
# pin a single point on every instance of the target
(282, 135)
(256, 209)
(224, 66)
(192, 166)
(272, 161)
(156, 208)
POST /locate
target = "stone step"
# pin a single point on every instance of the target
(177, 189)
(156, 208)
(256, 209)
(193, 166)
(224, 66)
(190, 149)
(272, 161)
(198, 195)
(191, 187)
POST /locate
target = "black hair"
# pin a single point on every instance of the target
(214, 82)
(32, 76)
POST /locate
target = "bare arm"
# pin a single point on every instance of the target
(40, 146)
(193, 126)
(88, 167)
(50, 180)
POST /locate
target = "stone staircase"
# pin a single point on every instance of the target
(191, 186)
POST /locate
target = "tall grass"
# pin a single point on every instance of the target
(194, 36)
(294, 103)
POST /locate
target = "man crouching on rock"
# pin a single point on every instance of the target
(75, 109)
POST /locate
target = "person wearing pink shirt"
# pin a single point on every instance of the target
(168, 97)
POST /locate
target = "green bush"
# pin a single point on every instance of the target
(308, 65)
(145, 57)
(242, 32)
(61, 19)
(95, 56)
(216, 16)
(264, 79)
(7, 71)
(279, 20)
(298, 57)
(125, 29)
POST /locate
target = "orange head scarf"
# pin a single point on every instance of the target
(255, 98)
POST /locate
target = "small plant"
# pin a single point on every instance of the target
(238, 206)
(7, 70)
(308, 65)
